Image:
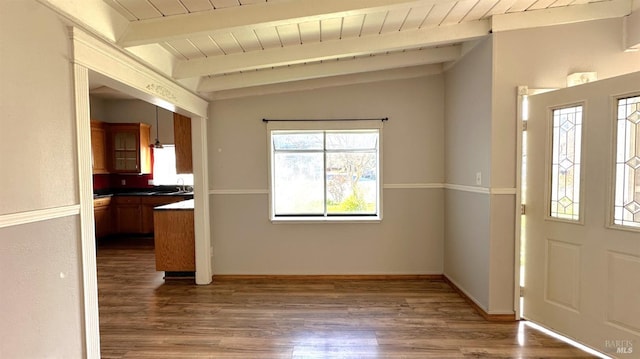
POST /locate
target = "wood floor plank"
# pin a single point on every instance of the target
(143, 316)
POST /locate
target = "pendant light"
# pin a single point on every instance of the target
(157, 144)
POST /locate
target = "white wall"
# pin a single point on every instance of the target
(409, 238)
(40, 273)
(468, 87)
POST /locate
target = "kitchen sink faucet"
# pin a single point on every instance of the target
(183, 188)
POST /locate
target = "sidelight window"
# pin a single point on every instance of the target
(565, 163)
(627, 180)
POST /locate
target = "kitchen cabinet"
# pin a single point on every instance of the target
(148, 203)
(182, 139)
(129, 148)
(102, 216)
(99, 147)
(128, 214)
(134, 214)
(174, 237)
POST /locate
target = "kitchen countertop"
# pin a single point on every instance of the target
(150, 192)
(186, 205)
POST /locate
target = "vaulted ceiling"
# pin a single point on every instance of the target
(226, 48)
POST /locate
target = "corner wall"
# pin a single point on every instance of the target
(409, 239)
(468, 87)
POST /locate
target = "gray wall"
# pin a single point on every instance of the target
(409, 238)
(467, 151)
(39, 262)
(41, 298)
(468, 86)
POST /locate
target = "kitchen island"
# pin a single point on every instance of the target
(174, 238)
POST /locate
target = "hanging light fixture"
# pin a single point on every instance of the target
(157, 144)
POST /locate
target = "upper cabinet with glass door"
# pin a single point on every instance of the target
(129, 148)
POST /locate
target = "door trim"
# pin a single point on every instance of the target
(522, 114)
(126, 74)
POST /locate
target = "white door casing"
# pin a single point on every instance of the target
(92, 56)
(582, 277)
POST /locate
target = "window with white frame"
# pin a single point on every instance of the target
(565, 163)
(324, 173)
(627, 180)
(164, 168)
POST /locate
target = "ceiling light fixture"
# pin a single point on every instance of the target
(157, 144)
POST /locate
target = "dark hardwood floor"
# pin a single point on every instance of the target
(143, 316)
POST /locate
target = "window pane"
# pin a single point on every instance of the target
(565, 173)
(298, 183)
(324, 173)
(164, 168)
(627, 191)
(352, 140)
(297, 141)
(352, 186)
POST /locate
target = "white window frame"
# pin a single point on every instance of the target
(320, 125)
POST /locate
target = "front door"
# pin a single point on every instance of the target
(582, 225)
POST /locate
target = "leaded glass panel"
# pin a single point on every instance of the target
(627, 189)
(565, 173)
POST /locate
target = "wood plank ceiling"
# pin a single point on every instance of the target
(233, 44)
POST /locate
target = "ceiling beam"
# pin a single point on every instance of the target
(394, 41)
(344, 80)
(327, 69)
(252, 16)
(561, 15)
(632, 31)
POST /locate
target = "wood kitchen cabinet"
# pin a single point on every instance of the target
(174, 238)
(102, 216)
(128, 214)
(148, 203)
(182, 139)
(134, 214)
(129, 148)
(99, 147)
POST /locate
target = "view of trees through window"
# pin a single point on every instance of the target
(325, 172)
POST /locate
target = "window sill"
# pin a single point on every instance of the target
(349, 219)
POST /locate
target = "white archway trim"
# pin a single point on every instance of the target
(128, 75)
(142, 81)
(87, 233)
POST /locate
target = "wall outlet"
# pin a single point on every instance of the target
(479, 178)
(123, 182)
